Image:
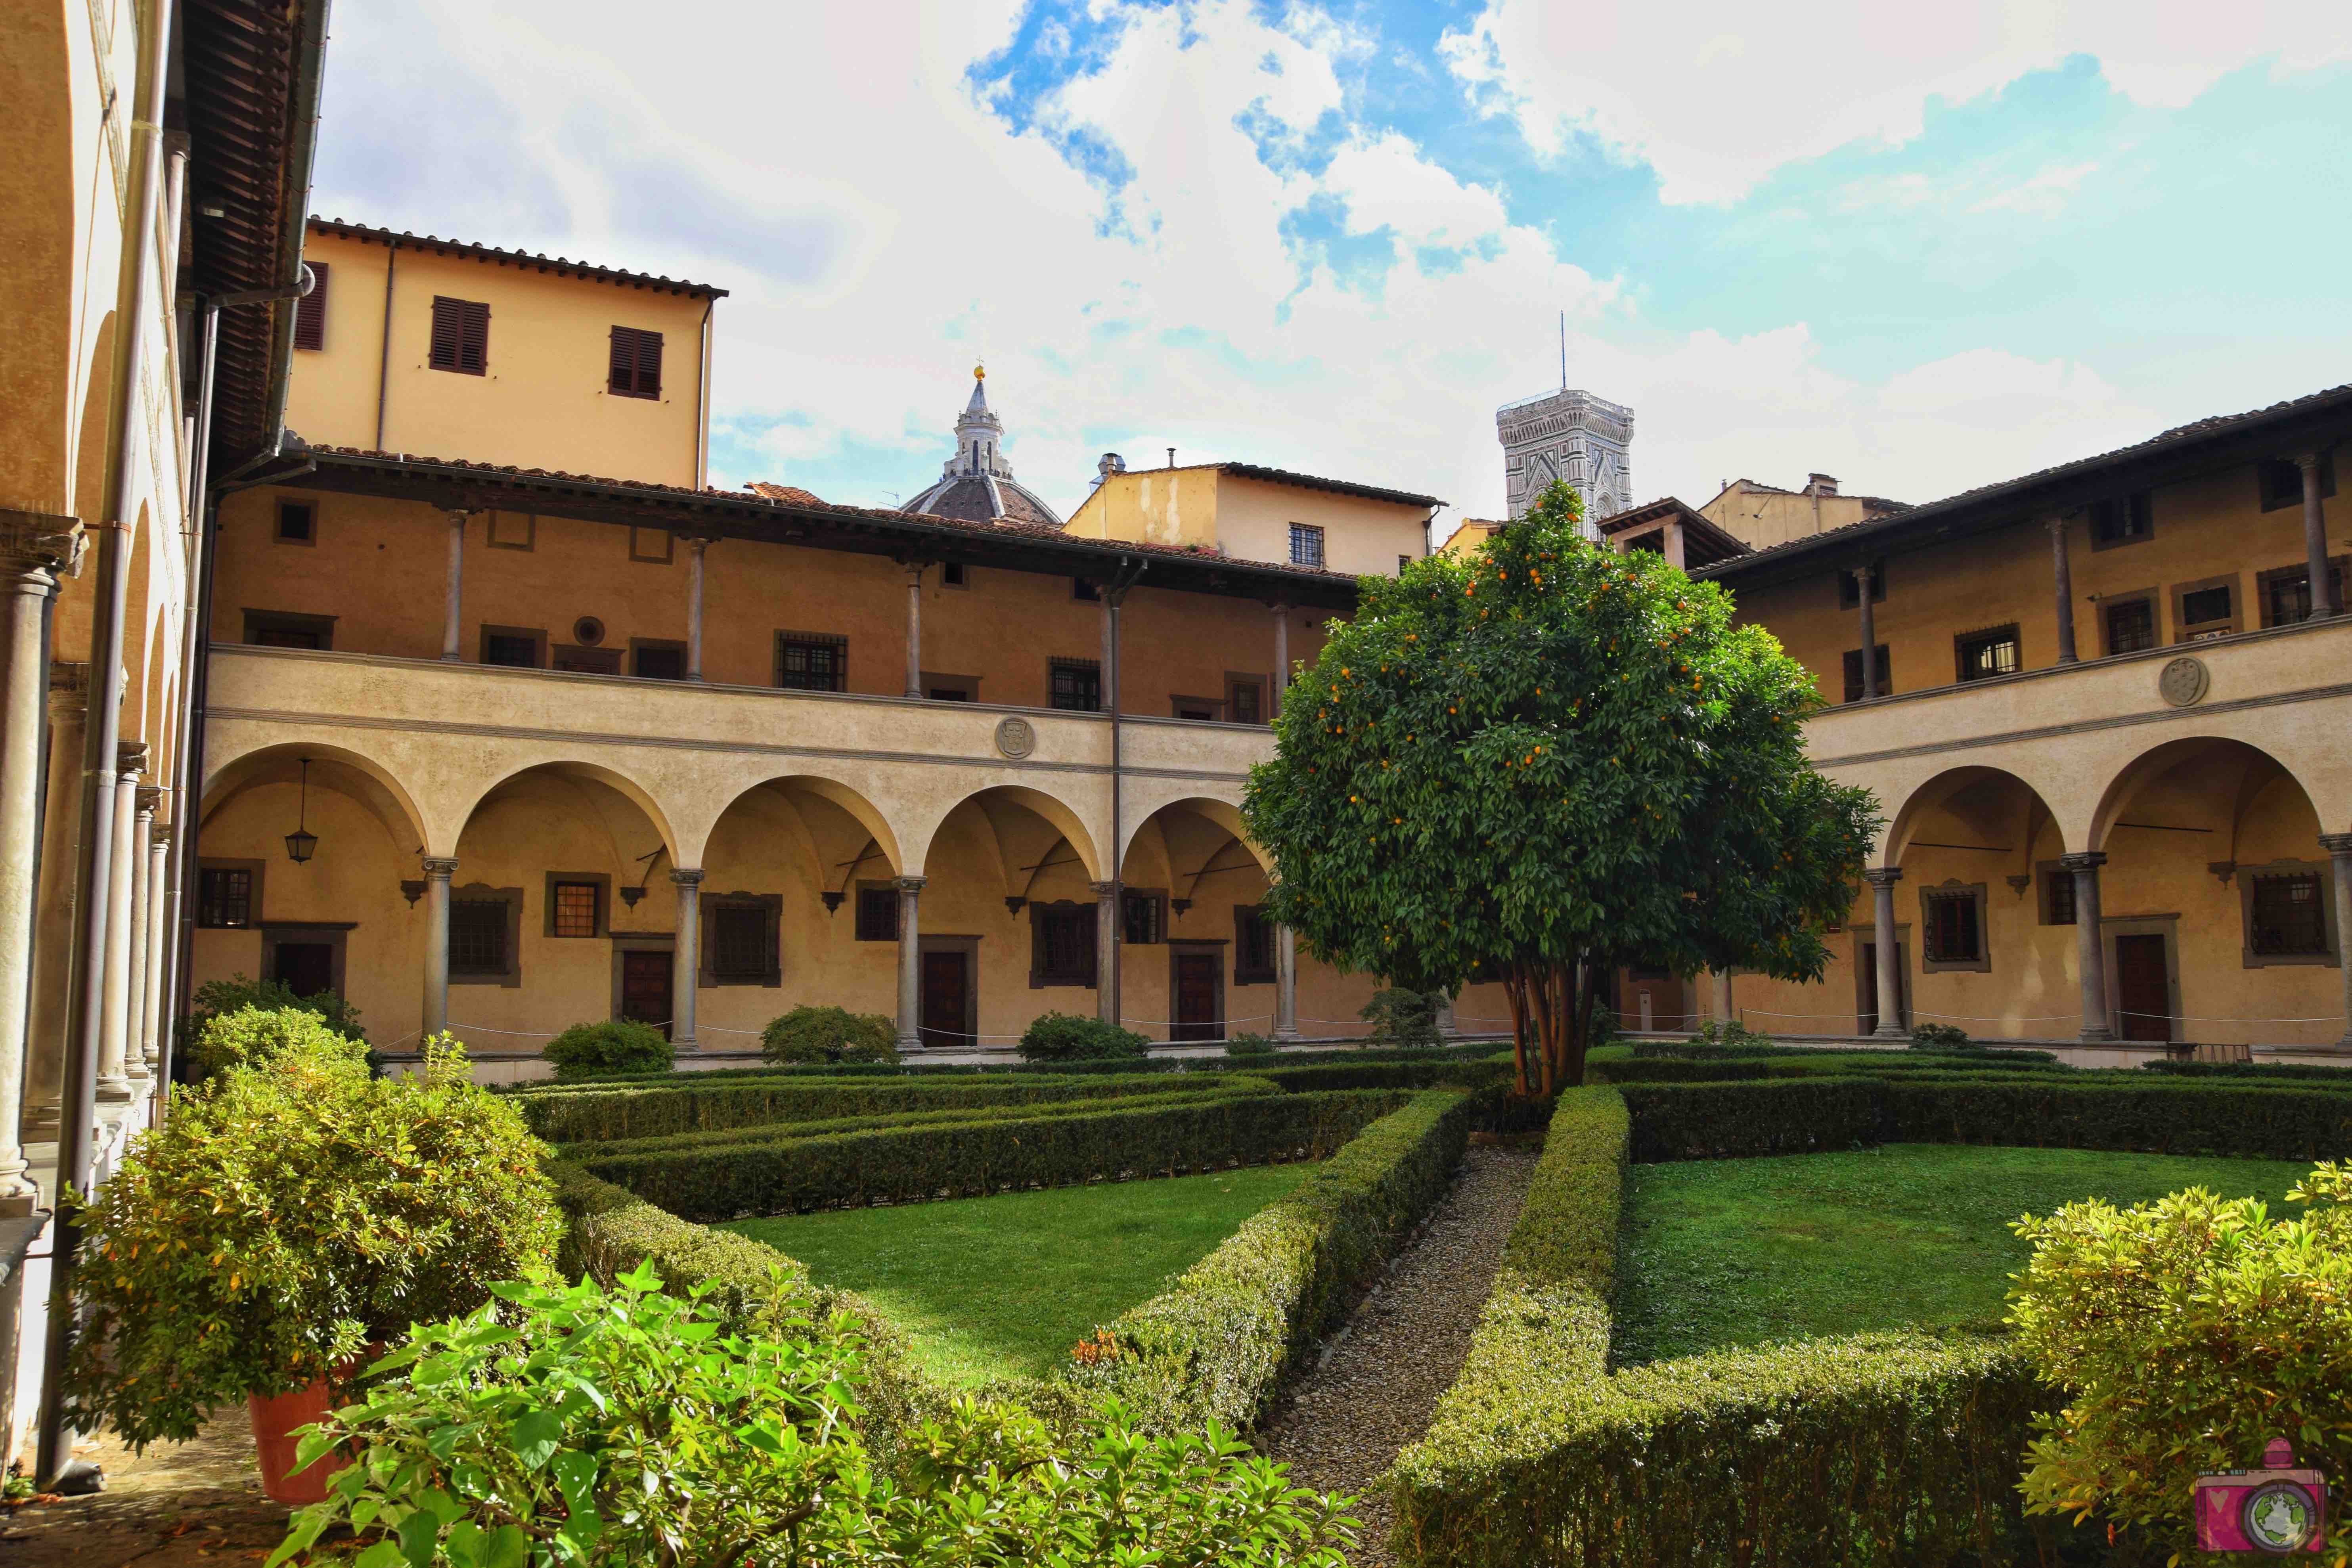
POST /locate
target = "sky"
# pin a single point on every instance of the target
(1917, 247)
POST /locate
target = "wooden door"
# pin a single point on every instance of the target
(1196, 998)
(645, 987)
(2143, 989)
(1867, 1023)
(947, 1000)
(306, 968)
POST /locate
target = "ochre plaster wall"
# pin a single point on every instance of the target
(1764, 517)
(1249, 519)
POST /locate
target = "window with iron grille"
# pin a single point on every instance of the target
(2131, 625)
(1144, 917)
(478, 936)
(877, 912)
(636, 370)
(519, 650)
(1953, 929)
(1062, 938)
(2205, 606)
(740, 940)
(657, 660)
(1983, 654)
(1253, 946)
(808, 661)
(2057, 895)
(1306, 544)
(1853, 673)
(1245, 700)
(2288, 916)
(225, 897)
(2286, 593)
(577, 908)
(310, 309)
(1076, 684)
(461, 335)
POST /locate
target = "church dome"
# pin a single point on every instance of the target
(976, 485)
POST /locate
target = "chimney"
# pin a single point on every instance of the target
(1821, 485)
(1171, 456)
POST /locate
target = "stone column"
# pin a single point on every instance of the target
(32, 550)
(1724, 1013)
(1281, 655)
(2315, 538)
(453, 611)
(114, 966)
(1863, 587)
(1446, 1027)
(2063, 576)
(2090, 951)
(695, 547)
(161, 906)
(2339, 851)
(1882, 880)
(910, 962)
(438, 869)
(685, 957)
(139, 849)
(914, 631)
(1107, 950)
(61, 854)
(1286, 984)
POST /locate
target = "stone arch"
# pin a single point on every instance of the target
(362, 777)
(831, 816)
(1223, 814)
(1991, 798)
(1058, 814)
(576, 770)
(37, 264)
(2243, 769)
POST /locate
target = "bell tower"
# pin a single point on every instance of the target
(1567, 435)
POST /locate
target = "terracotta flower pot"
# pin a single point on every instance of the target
(276, 1419)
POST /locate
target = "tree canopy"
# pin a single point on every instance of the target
(1545, 760)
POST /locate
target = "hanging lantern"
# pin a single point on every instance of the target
(302, 843)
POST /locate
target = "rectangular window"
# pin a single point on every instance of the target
(877, 912)
(1253, 946)
(311, 310)
(1246, 699)
(740, 944)
(1062, 938)
(1204, 710)
(1082, 589)
(512, 530)
(2287, 918)
(1306, 544)
(2122, 520)
(1854, 674)
(588, 660)
(1403, 561)
(1076, 685)
(635, 369)
(2286, 593)
(225, 897)
(951, 694)
(952, 575)
(2282, 481)
(2130, 625)
(2057, 895)
(478, 936)
(811, 661)
(576, 907)
(1980, 656)
(298, 522)
(461, 335)
(653, 546)
(514, 647)
(278, 628)
(1953, 928)
(2206, 609)
(1143, 917)
(656, 660)
(1850, 598)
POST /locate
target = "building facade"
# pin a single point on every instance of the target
(1567, 435)
(1250, 512)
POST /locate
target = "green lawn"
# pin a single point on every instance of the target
(995, 1286)
(1746, 1252)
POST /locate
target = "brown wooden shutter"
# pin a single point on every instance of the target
(636, 365)
(311, 311)
(447, 314)
(474, 340)
(649, 347)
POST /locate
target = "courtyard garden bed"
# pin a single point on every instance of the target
(1003, 1287)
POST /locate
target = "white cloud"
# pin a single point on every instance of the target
(1715, 95)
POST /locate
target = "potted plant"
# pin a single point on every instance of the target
(289, 1214)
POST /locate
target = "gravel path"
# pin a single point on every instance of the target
(1376, 1388)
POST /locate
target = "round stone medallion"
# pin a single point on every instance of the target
(1017, 737)
(2183, 681)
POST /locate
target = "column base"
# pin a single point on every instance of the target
(910, 1045)
(2103, 1038)
(1286, 1036)
(1890, 1033)
(114, 1091)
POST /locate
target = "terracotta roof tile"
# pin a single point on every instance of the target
(791, 493)
(561, 266)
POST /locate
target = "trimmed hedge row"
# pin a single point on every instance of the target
(2254, 1072)
(1877, 1449)
(1404, 1073)
(1220, 1340)
(1698, 1121)
(959, 1159)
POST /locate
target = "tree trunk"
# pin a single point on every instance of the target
(1512, 993)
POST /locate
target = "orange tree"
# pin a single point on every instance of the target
(1545, 760)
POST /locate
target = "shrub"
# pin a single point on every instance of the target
(2186, 1334)
(216, 997)
(284, 1216)
(601, 1050)
(1416, 1069)
(904, 1164)
(1727, 1035)
(1401, 1019)
(1068, 1037)
(1246, 1044)
(252, 1037)
(741, 1448)
(1941, 1037)
(829, 1034)
(1218, 1342)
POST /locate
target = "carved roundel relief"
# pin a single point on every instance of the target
(2183, 681)
(1016, 738)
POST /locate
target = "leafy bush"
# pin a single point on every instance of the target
(1729, 1035)
(2186, 1334)
(253, 1036)
(1246, 1044)
(1068, 1037)
(284, 1216)
(1401, 1019)
(215, 998)
(603, 1050)
(903, 1165)
(741, 1448)
(829, 1034)
(1218, 1342)
(1941, 1037)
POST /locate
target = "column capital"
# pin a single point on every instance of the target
(41, 541)
(130, 757)
(68, 690)
(698, 542)
(441, 867)
(2336, 843)
(686, 875)
(1103, 890)
(2090, 861)
(163, 832)
(150, 797)
(1883, 876)
(910, 884)
(2307, 461)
